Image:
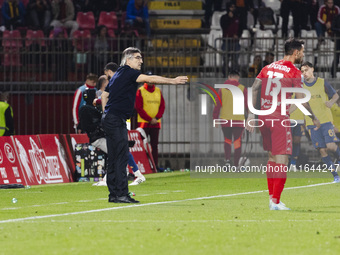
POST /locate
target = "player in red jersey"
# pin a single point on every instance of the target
(275, 128)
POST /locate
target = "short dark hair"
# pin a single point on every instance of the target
(234, 73)
(293, 44)
(111, 66)
(92, 77)
(306, 63)
(269, 53)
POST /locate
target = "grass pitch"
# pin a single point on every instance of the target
(177, 215)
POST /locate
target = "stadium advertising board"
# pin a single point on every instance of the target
(143, 159)
(55, 151)
(10, 169)
(36, 166)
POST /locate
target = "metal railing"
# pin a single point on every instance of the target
(42, 77)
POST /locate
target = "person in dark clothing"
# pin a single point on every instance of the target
(90, 122)
(118, 100)
(40, 14)
(293, 6)
(242, 8)
(13, 14)
(230, 27)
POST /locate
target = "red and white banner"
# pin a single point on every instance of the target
(44, 159)
(36, 166)
(55, 151)
(10, 169)
(143, 159)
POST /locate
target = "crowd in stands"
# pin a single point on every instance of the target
(47, 15)
(290, 19)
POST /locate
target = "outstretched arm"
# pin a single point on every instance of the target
(155, 79)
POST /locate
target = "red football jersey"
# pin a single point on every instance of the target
(277, 75)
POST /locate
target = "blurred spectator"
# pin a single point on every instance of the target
(208, 7)
(137, 16)
(150, 107)
(230, 26)
(242, 8)
(256, 67)
(266, 17)
(310, 12)
(63, 14)
(61, 57)
(13, 14)
(268, 58)
(78, 100)
(257, 5)
(326, 14)
(295, 7)
(101, 48)
(6, 116)
(84, 6)
(108, 6)
(40, 14)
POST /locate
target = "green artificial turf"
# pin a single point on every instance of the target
(178, 214)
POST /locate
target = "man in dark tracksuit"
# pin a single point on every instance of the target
(119, 99)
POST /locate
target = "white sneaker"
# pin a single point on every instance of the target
(279, 207)
(271, 203)
(138, 181)
(100, 183)
(293, 168)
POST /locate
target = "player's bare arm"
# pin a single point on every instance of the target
(307, 106)
(330, 103)
(105, 98)
(155, 79)
(256, 87)
(292, 108)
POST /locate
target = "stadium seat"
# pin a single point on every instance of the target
(264, 40)
(11, 39)
(12, 42)
(35, 37)
(214, 38)
(86, 21)
(109, 20)
(82, 40)
(245, 40)
(310, 38)
(215, 20)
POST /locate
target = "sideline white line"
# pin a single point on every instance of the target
(185, 221)
(154, 203)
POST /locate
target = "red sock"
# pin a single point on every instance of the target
(270, 180)
(279, 182)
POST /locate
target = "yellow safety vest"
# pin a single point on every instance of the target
(3, 108)
(297, 114)
(151, 103)
(336, 115)
(226, 111)
(317, 102)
